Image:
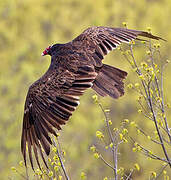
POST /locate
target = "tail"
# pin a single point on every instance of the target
(109, 81)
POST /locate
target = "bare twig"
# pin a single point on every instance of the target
(158, 131)
(115, 145)
(161, 171)
(129, 176)
(101, 157)
(60, 159)
(149, 98)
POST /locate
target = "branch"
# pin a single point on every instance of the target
(60, 159)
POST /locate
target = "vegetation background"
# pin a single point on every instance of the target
(27, 27)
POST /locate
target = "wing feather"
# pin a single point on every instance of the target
(48, 107)
(99, 41)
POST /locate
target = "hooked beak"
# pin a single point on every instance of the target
(46, 51)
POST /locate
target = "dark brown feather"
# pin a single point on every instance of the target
(75, 67)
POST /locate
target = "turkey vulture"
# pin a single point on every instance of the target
(75, 67)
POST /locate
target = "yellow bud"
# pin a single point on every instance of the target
(83, 175)
(121, 136)
(107, 110)
(168, 105)
(59, 164)
(111, 145)
(95, 98)
(59, 177)
(105, 178)
(56, 168)
(118, 171)
(135, 144)
(137, 167)
(50, 174)
(138, 131)
(21, 163)
(115, 129)
(96, 155)
(139, 148)
(64, 153)
(124, 24)
(164, 172)
(148, 52)
(149, 137)
(110, 122)
(154, 174)
(137, 85)
(13, 168)
(144, 64)
(134, 149)
(132, 63)
(126, 120)
(58, 134)
(158, 45)
(130, 86)
(139, 111)
(133, 124)
(159, 99)
(99, 135)
(151, 91)
(125, 131)
(125, 140)
(132, 42)
(38, 172)
(149, 29)
(135, 69)
(106, 147)
(54, 149)
(155, 65)
(55, 157)
(141, 77)
(150, 152)
(93, 148)
(164, 116)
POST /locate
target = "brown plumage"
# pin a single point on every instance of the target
(75, 67)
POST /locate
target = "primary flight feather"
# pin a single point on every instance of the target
(75, 67)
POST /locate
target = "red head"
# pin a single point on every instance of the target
(46, 51)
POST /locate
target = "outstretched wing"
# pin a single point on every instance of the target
(97, 42)
(49, 104)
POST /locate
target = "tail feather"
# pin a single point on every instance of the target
(109, 81)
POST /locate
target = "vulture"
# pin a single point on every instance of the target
(75, 67)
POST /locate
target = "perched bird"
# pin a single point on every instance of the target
(75, 67)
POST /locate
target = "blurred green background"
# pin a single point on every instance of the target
(27, 27)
